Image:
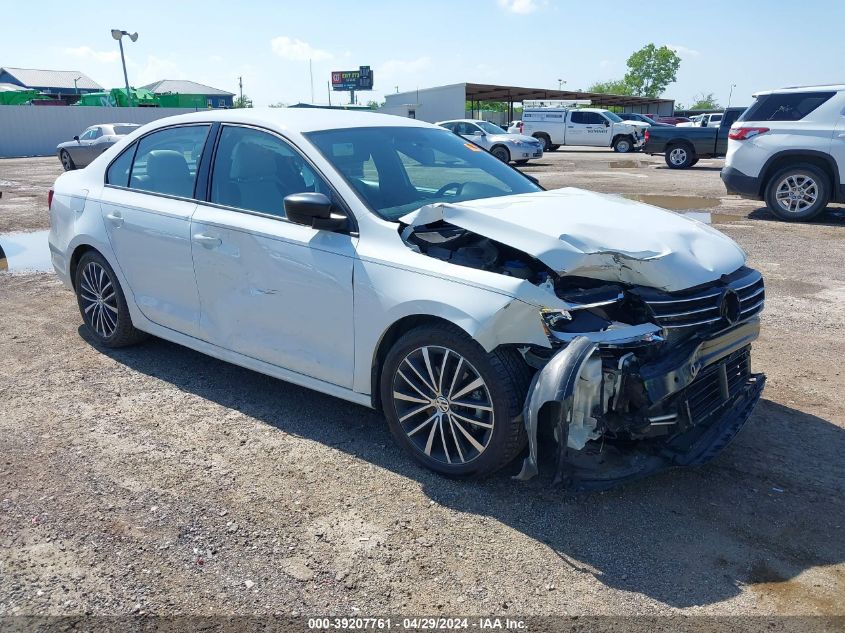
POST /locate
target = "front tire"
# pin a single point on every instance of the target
(451, 405)
(67, 161)
(680, 157)
(623, 145)
(501, 153)
(798, 193)
(102, 303)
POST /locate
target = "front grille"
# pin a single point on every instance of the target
(704, 307)
(717, 384)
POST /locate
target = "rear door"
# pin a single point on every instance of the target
(147, 205)
(271, 289)
(837, 150)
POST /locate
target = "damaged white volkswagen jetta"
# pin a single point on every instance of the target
(393, 264)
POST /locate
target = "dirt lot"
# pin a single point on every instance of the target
(156, 480)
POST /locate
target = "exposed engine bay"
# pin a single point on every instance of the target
(635, 379)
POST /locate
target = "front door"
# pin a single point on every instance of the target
(270, 289)
(147, 206)
(589, 128)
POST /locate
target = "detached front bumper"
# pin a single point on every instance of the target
(621, 415)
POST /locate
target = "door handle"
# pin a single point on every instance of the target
(115, 218)
(209, 241)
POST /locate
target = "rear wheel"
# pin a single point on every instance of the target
(454, 407)
(798, 192)
(623, 145)
(102, 303)
(67, 161)
(501, 153)
(545, 141)
(680, 157)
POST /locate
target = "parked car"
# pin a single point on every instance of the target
(503, 145)
(515, 127)
(391, 263)
(788, 149)
(682, 147)
(91, 143)
(556, 126)
(713, 119)
(640, 118)
(670, 120)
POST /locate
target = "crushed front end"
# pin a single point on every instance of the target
(640, 380)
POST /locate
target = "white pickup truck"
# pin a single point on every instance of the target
(556, 126)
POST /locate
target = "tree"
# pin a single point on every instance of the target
(613, 87)
(278, 104)
(651, 70)
(374, 105)
(242, 102)
(705, 102)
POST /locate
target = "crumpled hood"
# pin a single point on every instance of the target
(578, 232)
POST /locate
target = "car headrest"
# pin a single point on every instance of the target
(252, 161)
(167, 164)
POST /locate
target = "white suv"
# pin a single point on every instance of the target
(788, 149)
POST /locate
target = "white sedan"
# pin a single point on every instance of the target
(393, 264)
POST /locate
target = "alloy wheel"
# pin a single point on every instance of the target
(443, 405)
(66, 161)
(623, 147)
(99, 299)
(797, 193)
(678, 156)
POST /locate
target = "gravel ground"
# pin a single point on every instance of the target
(157, 480)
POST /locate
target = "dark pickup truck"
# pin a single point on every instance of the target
(683, 146)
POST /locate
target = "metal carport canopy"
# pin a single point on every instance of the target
(511, 94)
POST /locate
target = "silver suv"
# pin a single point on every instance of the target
(503, 145)
(788, 149)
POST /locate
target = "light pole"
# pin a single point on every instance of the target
(118, 35)
(75, 87)
(560, 83)
(731, 94)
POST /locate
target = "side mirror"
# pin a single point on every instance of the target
(76, 138)
(478, 133)
(606, 123)
(703, 122)
(314, 210)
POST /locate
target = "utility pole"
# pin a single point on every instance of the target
(329, 89)
(241, 87)
(311, 75)
(731, 94)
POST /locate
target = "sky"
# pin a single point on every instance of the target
(753, 44)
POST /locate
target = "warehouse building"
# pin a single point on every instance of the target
(66, 85)
(177, 93)
(450, 102)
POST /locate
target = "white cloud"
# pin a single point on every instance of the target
(155, 69)
(519, 6)
(86, 52)
(683, 51)
(297, 50)
(401, 71)
(606, 63)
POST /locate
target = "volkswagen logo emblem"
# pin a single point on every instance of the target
(730, 308)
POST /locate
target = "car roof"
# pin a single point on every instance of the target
(296, 119)
(826, 87)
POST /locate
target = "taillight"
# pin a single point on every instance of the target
(521, 128)
(50, 199)
(745, 133)
(647, 135)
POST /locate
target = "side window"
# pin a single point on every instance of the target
(594, 118)
(87, 135)
(578, 117)
(166, 161)
(255, 171)
(118, 173)
(97, 132)
(791, 106)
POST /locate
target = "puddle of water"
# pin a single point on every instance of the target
(25, 252)
(675, 203)
(627, 164)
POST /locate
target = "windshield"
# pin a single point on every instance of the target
(490, 128)
(613, 117)
(396, 170)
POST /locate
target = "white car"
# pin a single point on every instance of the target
(713, 119)
(503, 145)
(558, 126)
(788, 149)
(390, 263)
(515, 127)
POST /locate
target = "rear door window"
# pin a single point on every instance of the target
(789, 106)
(166, 161)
